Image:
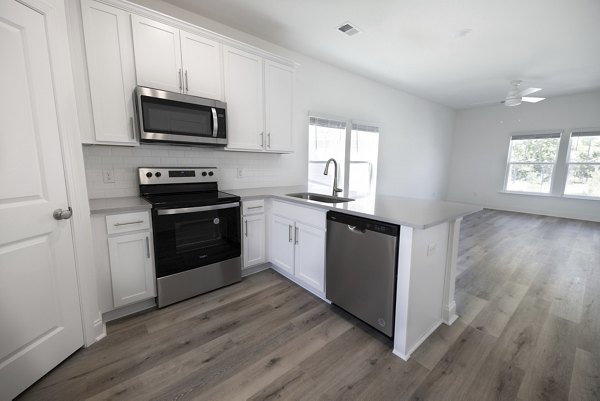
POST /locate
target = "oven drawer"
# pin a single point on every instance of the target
(253, 207)
(126, 222)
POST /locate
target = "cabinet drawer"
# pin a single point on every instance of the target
(307, 215)
(253, 207)
(126, 222)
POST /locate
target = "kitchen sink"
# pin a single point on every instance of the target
(320, 197)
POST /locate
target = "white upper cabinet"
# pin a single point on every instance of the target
(157, 54)
(111, 72)
(244, 97)
(201, 58)
(279, 95)
(259, 95)
(178, 61)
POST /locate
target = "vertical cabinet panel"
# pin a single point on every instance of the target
(254, 240)
(157, 54)
(131, 268)
(202, 65)
(309, 260)
(282, 243)
(111, 71)
(279, 95)
(244, 96)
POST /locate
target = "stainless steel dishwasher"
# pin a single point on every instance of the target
(361, 268)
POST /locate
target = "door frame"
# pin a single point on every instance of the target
(55, 16)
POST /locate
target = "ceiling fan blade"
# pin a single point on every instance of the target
(529, 91)
(532, 99)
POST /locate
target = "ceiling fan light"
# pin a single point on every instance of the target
(512, 101)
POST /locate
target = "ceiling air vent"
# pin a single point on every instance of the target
(348, 29)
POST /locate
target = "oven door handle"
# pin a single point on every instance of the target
(183, 210)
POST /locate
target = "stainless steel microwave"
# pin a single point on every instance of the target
(169, 117)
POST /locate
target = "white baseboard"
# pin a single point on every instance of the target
(449, 315)
(413, 348)
(255, 269)
(129, 310)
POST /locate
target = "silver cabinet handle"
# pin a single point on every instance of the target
(180, 80)
(129, 222)
(147, 247)
(215, 122)
(132, 127)
(262, 139)
(296, 235)
(255, 207)
(246, 222)
(187, 87)
(269, 140)
(62, 214)
(290, 233)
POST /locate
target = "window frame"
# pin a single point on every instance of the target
(568, 162)
(350, 124)
(555, 170)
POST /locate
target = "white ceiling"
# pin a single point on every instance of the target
(415, 46)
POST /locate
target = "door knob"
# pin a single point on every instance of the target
(61, 214)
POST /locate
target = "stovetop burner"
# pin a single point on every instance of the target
(182, 187)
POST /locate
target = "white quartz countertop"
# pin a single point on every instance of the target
(416, 213)
(118, 205)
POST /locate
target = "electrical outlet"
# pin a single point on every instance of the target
(240, 173)
(431, 249)
(108, 176)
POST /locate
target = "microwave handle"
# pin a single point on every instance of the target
(215, 122)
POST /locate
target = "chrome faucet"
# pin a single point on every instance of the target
(335, 176)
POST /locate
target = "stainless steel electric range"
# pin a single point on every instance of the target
(196, 228)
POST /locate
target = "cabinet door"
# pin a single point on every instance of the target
(131, 268)
(310, 256)
(202, 66)
(244, 97)
(282, 243)
(111, 71)
(157, 54)
(254, 240)
(279, 95)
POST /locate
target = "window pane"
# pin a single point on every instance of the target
(534, 150)
(585, 149)
(583, 180)
(324, 142)
(529, 178)
(364, 145)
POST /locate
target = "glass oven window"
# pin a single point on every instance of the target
(171, 117)
(190, 240)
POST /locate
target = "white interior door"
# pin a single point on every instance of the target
(39, 303)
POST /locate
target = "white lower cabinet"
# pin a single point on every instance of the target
(254, 240)
(297, 246)
(131, 268)
(124, 261)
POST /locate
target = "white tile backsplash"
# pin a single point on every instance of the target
(259, 169)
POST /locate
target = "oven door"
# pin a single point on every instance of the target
(187, 238)
(178, 118)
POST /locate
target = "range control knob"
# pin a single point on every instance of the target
(158, 174)
(204, 174)
(148, 174)
(211, 173)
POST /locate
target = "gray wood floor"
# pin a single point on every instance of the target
(528, 294)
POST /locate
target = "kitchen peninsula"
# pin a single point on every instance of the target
(427, 254)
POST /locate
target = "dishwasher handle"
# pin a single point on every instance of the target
(356, 230)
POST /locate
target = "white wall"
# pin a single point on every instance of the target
(414, 142)
(480, 150)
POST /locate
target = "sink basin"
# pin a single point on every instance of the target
(320, 197)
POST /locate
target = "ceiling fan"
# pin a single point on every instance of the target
(516, 95)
